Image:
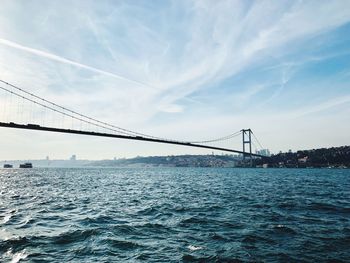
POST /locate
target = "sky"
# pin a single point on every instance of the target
(185, 70)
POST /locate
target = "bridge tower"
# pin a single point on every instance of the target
(247, 140)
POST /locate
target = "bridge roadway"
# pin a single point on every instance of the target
(136, 138)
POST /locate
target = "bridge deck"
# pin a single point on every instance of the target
(137, 138)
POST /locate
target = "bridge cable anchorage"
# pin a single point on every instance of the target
(101, 124)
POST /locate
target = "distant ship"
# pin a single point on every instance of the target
(6, 165)
(26, 165)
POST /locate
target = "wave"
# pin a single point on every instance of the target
(8, 215)
(253, 238)
(194, 220)
(6, 218)
(101, 220)
(282, 229)
(122, 244)
(75, 236)
(194, 248)
(326, 207)
(18, 256)
(215, 236)
(214, 258)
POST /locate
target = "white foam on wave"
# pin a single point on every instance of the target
(26, 220)
(194, 248)
(6, 218)
(18, 256)
(4, 235)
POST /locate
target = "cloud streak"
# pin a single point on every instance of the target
(323, 106)
(67, 61)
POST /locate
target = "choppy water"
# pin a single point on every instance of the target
(174, 215)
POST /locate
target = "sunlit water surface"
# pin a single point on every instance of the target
(174, 215)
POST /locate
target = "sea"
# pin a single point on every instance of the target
(174, 215)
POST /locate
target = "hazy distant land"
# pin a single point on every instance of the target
(316, 158)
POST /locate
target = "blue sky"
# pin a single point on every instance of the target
(181, 69)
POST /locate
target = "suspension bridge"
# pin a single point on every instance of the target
(22, 109)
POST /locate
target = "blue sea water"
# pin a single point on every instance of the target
(174, 215)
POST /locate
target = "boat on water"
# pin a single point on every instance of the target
(26, 165)
(6, 165)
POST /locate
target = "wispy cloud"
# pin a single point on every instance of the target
(65, 61)
(322, 106)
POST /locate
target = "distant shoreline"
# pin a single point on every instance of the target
(335, 157)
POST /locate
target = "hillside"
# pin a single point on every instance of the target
(172, 161)
(317, 158)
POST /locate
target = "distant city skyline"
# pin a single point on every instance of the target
(186, 70)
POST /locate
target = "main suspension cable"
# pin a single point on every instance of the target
(221, 138)
(61, 112)
(79, 114)
(92, 121)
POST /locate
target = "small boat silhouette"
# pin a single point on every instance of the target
(26, 165)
